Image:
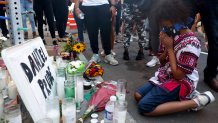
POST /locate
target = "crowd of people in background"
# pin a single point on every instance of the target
(164, 27)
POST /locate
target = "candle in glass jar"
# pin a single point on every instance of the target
(79, 89)
(69, 89)
(69, 110)
(12, 90)
(3, 79)
(1, 105)
(54, 115)
(60, 87)
(69, 114)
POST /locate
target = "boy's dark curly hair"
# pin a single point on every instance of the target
(172, 10)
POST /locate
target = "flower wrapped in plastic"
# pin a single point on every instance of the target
(93, 70)
(99, 99)
(75, 67)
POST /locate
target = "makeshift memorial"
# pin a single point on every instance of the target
(99, 99)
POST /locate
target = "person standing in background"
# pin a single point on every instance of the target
(209, 16)
(3, 25)
(132, 15)
(60, 9)
(98, 15)
(27, 11)
(45, 7)
(79, 22)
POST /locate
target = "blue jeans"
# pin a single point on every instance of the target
(153, 95)
(27, 11)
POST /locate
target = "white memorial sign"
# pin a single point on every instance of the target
(33, 74)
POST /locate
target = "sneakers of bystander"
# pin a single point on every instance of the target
(95, 58)
(154, 61)
(111, 60)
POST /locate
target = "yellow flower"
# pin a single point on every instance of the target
(79, 47)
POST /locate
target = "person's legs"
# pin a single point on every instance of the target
(154, 40)
(128, 27)
(80, 26)
(142, 91)
(24, 17)
(3, 25)
(209, 15)
(39, 14)
(141, 41)
(155, 101)
(30, 14)
(47, 7)
(91, 24)
(104, 20)
(60, 10)
(118, 17)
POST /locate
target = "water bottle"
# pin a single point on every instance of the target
(81, 15)
(109, 109)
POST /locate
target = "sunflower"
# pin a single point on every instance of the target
(79, 47)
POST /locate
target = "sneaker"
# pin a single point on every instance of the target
(95, 58)
(111, 60)
(113, 53)
(103, 54)
(154, 61)
(203, 100)
(140, 55)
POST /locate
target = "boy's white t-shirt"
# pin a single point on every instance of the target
(94, 2)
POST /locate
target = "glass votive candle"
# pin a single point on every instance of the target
(45, 120)
(120, 111)
(69, 89)
(69, 110)
(53, 110)
(13, 114)
(121, 89)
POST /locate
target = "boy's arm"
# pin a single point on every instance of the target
(177, 73)
(168, 43)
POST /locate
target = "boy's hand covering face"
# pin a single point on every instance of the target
(166, 40)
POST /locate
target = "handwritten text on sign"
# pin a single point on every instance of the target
(37, 61)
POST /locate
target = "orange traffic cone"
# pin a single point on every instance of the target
(71, 21)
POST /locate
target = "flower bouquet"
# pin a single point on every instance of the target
(72, 47)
